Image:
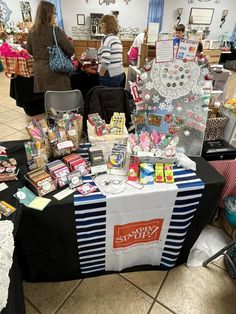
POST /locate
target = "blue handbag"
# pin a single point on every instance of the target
(58, 61)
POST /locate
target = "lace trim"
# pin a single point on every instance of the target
(6, 254)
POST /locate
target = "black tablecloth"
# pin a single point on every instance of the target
(22, 90)
(46, 241)
(228, 56)
(15, 304)
(83, 81)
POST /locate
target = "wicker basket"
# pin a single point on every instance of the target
(215, 127)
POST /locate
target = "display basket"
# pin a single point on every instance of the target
(154, 159)
(111, 138)
(215, 127)
(17, 66)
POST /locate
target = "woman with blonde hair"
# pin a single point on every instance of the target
(39, 39)
(110, 54)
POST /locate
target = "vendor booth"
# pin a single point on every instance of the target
(48, 240)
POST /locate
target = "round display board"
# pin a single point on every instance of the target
(174, 79)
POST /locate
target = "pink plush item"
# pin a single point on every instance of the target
(7, 51)
(133, 54)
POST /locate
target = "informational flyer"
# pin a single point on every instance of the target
(187, 50)
(153, 31)
(164, 51)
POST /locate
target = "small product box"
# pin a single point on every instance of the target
(76, 163)
(169, 175)
(98, 163)
(86, 189)
(74, 179)
(59, 170)
(41, 182)
(146, 173)
(98, 123)
(8, 169)
(133, 169)
(159, 172)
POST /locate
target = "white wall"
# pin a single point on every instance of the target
(170, 14)
(132, 15)
(135, 13)
(14, 6)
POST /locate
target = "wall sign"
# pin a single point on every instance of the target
(201, 16)
(5, 12)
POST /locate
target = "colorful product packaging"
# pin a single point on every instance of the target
(159, 172)
(133, 169)
(98, 123)
(169, 175)
(59, 170)
(117, 123)
(41, 181)
(146, 173)
(6, 209)
(74, 179)
(86, 189)
(76, 163)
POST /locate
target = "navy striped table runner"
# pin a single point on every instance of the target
(190, 189)
(90, 220)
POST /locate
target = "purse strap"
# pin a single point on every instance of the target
(55, 40)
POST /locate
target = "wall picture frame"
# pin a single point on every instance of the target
(80, 19)
(25, 11)
(201, 16)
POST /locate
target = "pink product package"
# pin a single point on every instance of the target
(86, 189)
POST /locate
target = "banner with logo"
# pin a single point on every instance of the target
(137, 227)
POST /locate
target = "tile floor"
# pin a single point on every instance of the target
(181, 290)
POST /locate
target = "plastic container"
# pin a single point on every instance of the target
(230, 209)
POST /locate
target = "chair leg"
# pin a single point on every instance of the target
(217, 254)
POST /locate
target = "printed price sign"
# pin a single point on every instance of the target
(187, 50)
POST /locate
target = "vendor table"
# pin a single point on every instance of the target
(22, 90)
(46, 242)
(228, 56)
(15, 304)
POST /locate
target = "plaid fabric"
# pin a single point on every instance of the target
(18, 66)
(227, 168)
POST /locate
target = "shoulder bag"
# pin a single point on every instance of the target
(58, 60)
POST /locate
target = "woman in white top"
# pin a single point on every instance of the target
(110, 54)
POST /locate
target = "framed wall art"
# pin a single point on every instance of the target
(80, 19)
(25, 11)
(201, 16)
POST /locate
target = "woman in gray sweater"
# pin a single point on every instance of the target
(40, 37)
(111, 71)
